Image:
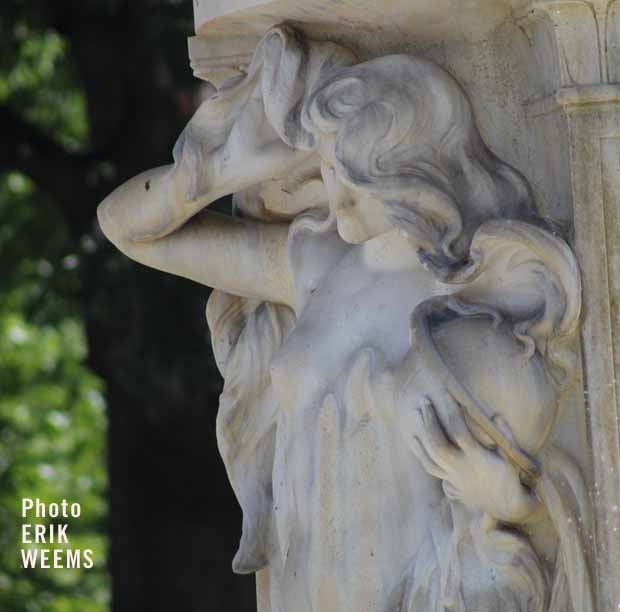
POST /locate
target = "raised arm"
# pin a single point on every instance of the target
(247, 133)
(241, 257)
(157, 217)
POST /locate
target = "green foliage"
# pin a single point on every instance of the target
(52, 413)
(51, 447)
(37, 78)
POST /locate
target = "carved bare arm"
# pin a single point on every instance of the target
(157, 217)
(247, 133)
(238, 256)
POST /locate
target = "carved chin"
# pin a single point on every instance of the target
(350, 229)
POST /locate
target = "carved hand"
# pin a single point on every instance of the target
(479, 477)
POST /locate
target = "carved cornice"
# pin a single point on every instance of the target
(220, 58)
(228, 30)
(586, 36)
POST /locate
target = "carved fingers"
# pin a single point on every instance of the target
(444, 445)
(472, 474)
(430, 444)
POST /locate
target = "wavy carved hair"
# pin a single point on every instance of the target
(404, 130)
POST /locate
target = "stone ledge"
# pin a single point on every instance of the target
(580, 95)
(348, 20)
(217, 59)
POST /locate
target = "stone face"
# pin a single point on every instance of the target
(396, 320)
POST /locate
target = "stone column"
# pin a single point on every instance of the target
(577, 46)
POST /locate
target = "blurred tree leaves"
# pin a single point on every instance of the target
(91, 93)
(52, 434)
(38, 78)
(52, 413)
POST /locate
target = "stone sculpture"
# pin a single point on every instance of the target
(394, 324)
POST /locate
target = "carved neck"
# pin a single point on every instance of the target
(393, 250)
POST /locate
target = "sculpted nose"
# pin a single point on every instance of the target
(340, 196)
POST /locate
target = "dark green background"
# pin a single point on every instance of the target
(108, 390)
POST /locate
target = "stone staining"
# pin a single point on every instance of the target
(395, 326)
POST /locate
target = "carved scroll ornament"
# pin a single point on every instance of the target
(394, 324)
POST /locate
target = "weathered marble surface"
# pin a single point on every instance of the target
(396, 324)
(544, 77)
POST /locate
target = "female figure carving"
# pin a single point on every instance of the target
(393, 324)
